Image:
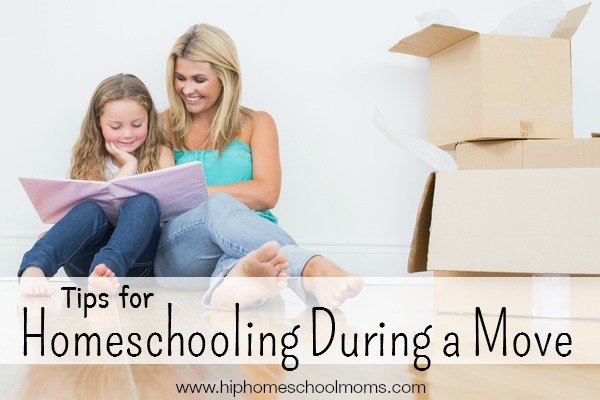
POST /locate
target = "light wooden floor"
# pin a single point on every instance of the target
(66, 382)
(157, 381)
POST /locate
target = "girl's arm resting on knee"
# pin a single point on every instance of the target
(262, 192)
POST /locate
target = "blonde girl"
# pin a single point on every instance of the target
(120, 136)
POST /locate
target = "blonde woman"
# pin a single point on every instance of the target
(119, 137)
(234, 233)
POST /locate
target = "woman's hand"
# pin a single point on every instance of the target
(127, 161)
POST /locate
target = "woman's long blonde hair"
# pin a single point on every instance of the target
(203, 42)
(89, 154)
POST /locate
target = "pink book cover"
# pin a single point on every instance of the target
(177, 189)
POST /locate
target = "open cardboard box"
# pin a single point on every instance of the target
(542, 221)
(487, 86)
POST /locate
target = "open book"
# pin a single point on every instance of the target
(177, 189)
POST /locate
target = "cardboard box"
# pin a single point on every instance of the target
(517, 154)
(525, 221)
(533, 296)
(530, 221)
(486, 86)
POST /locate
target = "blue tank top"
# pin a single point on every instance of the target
(232, 166)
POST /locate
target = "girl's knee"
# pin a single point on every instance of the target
(143, 201)
(88, 207)
(91, 210)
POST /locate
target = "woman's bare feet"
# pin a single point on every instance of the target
(102, 279)
(329, 283)
(259, 275)
(34, 283)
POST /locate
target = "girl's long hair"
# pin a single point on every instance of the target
(89, 154)
(210, 44)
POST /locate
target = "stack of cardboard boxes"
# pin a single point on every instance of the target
(526, 198)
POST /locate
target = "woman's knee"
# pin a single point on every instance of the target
(214, 209)
(194, 223)
(222, 203)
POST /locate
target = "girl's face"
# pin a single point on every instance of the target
(198, 85)
(125, 123)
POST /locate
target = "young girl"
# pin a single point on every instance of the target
(119, 137)
(233, 233)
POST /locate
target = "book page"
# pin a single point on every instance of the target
(177, 189)
(53, 198)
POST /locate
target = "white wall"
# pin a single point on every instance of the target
(319, 67)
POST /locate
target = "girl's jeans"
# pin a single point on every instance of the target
(83, 238)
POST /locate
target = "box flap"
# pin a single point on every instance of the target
(490, 154)
(417, 259)
(504, 154)
(568, 26)
(432, 40)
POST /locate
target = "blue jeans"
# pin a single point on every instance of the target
(83, 238)
(208, 240)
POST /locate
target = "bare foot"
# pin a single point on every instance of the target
(34, 283)
(102, 279)
(259, 275)
(329, 283)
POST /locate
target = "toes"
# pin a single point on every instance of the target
(337, 294)
(99, 270)
(102, 271)
(267, 251)
(333, 304)
(279, 258)
(282, 280)
(355, 285)
(282, 266)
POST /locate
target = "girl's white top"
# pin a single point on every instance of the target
(110, 169)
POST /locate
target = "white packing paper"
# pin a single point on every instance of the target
(437, 158)
(441, 16)
(539, 18)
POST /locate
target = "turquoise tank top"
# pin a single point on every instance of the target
(233, 165)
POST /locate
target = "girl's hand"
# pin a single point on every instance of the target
(122, 157)
(128, 162)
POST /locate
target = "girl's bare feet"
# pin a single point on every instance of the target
(329, 283)
(259, 275)
(34, 283)
(102, 279)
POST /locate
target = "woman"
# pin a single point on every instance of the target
(239, 150)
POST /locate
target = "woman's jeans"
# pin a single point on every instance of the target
(83, 238)
(208, 240)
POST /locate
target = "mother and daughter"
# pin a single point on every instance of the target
(232, 234)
